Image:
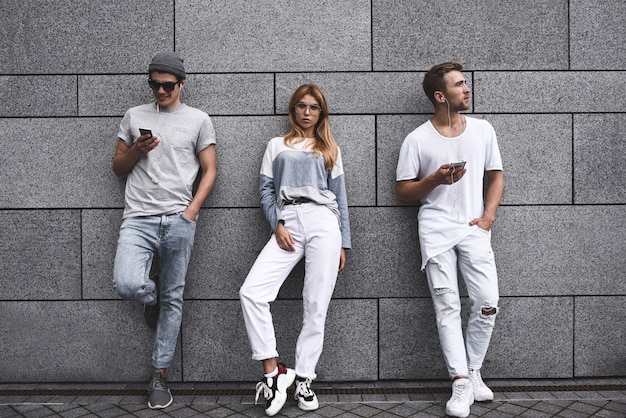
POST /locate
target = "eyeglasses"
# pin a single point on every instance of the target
(167, 86)
(314, 109)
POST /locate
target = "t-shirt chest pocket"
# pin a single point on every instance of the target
(183, 144)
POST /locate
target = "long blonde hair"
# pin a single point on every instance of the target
(324, 141)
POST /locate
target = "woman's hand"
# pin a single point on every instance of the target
(342, 260)
(284, 239)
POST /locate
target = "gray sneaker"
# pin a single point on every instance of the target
(159, 395)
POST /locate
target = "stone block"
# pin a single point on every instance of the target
(560, 250)
(279, 35)
(215, 345)
(241, 142)
(519, 35)
(533, 339)
(409, 344)
(237, 182)
(599, 332)
(40, 255)
(599, 147)
(537, 156)
(384, 260)
(231, 94)
(71, 168)
(549, 92)
(359, 93)
(522, 345)
(112, 95)
(227, 243)
(104, 341)
(391, 132)
(214, 333)
(215, 94)
(83, 37)
(30, 96)
(99, 244)
(597, 36)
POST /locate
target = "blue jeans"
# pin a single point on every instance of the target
(171, 238)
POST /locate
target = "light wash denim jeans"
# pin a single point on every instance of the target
(477, 265)
(171, 238)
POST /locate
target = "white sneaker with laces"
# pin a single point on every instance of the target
(481, 391)
(462, 398)
(307, 401)
(274, 390)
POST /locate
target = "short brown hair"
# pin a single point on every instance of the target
(433, 80)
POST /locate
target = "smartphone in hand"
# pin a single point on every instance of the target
(458, 164)
(145, 131)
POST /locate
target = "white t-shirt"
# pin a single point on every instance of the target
(161, 182)
(446, 211)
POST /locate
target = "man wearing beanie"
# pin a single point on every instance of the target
(162, 147)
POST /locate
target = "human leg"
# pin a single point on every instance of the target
(176, 237)
(261, 287)
(136, 247)
(477, 265)
(322, 253)
(441, 272)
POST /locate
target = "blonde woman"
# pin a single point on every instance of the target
(304, 200)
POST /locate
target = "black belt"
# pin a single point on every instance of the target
(297, 201)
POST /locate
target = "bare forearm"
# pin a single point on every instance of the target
(411, 190)
(204, 190)
(495, 191)
(124, 161)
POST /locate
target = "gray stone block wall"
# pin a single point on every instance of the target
(549, 76)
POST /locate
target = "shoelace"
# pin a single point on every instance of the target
(303, 388)
(262, 387)
(158, 384)
(461, 390)
(476, 379)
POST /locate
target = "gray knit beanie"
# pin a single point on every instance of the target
(168, 62)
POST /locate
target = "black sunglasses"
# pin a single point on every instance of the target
(167, 86)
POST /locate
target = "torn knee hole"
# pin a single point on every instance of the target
(489, 310)
(443, 290)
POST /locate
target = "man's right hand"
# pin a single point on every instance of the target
(146, 143)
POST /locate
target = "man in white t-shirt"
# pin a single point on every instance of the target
(443, 163)
(161, 148)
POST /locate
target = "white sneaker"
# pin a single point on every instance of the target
(481, 391)
(275, 390)
(307, 401)
(462, 398)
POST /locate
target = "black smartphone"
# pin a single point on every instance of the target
(145, 131)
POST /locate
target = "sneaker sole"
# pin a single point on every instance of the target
(306, 407)
(160, 406)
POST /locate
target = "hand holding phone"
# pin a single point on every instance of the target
(145, 145)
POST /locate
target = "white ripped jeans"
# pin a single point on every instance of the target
(477, 265)
(315, 230)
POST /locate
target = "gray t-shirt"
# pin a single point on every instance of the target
(161, 182)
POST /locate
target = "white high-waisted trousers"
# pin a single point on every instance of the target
(315, 230)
